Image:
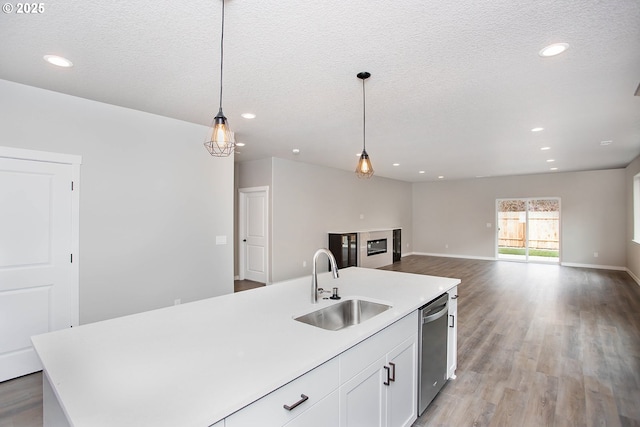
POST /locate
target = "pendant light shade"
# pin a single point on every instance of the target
(364, 168)
(220, 141)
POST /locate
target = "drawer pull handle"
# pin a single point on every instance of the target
(393, 371)
(303, 398)
(453, 321)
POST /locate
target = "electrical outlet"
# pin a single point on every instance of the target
(177, 301)
(304, 264)
(595, 254)
(446, 246)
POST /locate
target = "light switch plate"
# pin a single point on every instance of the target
(221, 240)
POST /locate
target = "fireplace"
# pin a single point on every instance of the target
(375, 247)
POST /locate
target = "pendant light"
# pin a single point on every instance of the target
(364, 169)
(221, 142)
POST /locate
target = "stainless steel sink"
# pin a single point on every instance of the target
(343, 314)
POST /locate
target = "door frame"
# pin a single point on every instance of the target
(526, 200)
(242, 212)
(75, 161)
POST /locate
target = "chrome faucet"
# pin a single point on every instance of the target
(314, 275)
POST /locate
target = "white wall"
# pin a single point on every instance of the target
(152, 199)
(593, 214)
(633, 248)
(308, 201)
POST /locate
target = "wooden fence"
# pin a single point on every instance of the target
(544, 230)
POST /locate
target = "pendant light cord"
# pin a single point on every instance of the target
(221, 54)
(364, 119)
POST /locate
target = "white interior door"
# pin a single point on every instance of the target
(37, 293)
(254, 220)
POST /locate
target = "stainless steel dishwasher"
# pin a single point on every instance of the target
(432, 350)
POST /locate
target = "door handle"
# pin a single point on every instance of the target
(435, 316)
(386, 368)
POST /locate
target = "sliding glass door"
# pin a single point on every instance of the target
(528, 229)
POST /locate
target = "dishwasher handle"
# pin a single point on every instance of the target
(435, 316)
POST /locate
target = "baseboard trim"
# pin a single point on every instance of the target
(633, 276)
(596, 266)
(455, 256)
(565, 264)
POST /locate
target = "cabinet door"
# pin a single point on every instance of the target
(323, 414)
(452, 339)
(402, 398)
(363, 398)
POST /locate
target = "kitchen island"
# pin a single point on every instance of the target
(196, 364)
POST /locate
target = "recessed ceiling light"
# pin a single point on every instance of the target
(537, 129)
(248, 115)
(551, 160)
(421, 172)
(545, 148)
(296, 151)
(441, 177)
(553, 49)
(358, 154)
(396, 164)
(605, 142)
(58, 61)
(553, 169)
(240, 144)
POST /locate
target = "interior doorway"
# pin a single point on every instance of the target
(253, 234)
(528, 229)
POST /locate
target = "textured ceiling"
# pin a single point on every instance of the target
(456, 86)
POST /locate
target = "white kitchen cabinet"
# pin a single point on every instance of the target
(372, 384)
(292, 400)
(218, 424)
(402, 398)
(384, 393)
(363, 399)
(452, 340)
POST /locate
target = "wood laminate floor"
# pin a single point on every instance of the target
(245, 285)
(538, 345)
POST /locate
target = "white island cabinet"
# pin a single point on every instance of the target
(239, 359)
(384, 393)
(371, 384)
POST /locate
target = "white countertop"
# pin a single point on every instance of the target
(196, 363)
